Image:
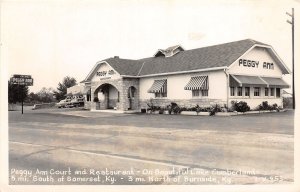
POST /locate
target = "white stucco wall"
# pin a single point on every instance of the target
(254, 101)
(104, 67)
(256, 54)
(176, 84)
(260, 55)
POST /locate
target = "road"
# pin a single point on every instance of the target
(71, 146)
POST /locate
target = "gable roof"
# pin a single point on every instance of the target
(169, 52)
(207, 57)
(125, 66)
(216, 56)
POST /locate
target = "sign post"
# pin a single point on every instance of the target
(23, 80)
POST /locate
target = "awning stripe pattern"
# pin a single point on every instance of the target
(158, 86)
(241, 80)
(247, 80)
(197, 83)
(275, 82)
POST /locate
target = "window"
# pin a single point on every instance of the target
(159, 94)
(272, 91)
(247, 91)
(131, 92)
(231, 91)
(88, 97)
(159, 88)
(195, 93)
(240, 91)
(256, 91)
(277, 92)
(204, 93)
(266, 91)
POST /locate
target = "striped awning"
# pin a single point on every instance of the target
(197, 83)
(158, 86)
(242, 80)
(275, 82)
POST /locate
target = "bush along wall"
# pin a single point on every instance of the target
(265, 106)
(240, 106)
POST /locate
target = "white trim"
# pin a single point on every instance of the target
(159, 50)
(251, 75)
(94, 68)
(240, 83)
(130, 76)
(284, 65)
(177, 72)
(231, 65)
(90, 72)
(264, 81)
(264, 46)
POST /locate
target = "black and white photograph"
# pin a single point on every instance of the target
(142, 95)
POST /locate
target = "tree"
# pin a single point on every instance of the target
(17, 93)
(32, 98)
(62, 87)
(45, 95)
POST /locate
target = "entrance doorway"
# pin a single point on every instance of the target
(108, 96)
(131, 100)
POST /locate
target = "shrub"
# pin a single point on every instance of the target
(174, 108)
(198, 109)
(265, 106)
(276, 107)
(152, 107)
(215, 109)
(241, 106)
(161, 111)
(184, 109)
(287, 102)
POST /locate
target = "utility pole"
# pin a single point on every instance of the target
(292, 23)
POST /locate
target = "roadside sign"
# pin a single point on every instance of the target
(22, 80)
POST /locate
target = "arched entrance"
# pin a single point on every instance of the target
(131, 98)
(108, 96)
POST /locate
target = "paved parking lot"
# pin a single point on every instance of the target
(154, 149)
(261, 123)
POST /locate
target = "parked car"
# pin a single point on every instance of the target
(63, 103)
(77, 101)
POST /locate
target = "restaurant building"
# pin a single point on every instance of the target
(245, 70)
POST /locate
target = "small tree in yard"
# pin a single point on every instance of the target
(62, 87)
(17, 93)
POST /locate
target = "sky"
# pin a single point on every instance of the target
(51, 39)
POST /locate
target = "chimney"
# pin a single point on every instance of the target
(117, 57)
